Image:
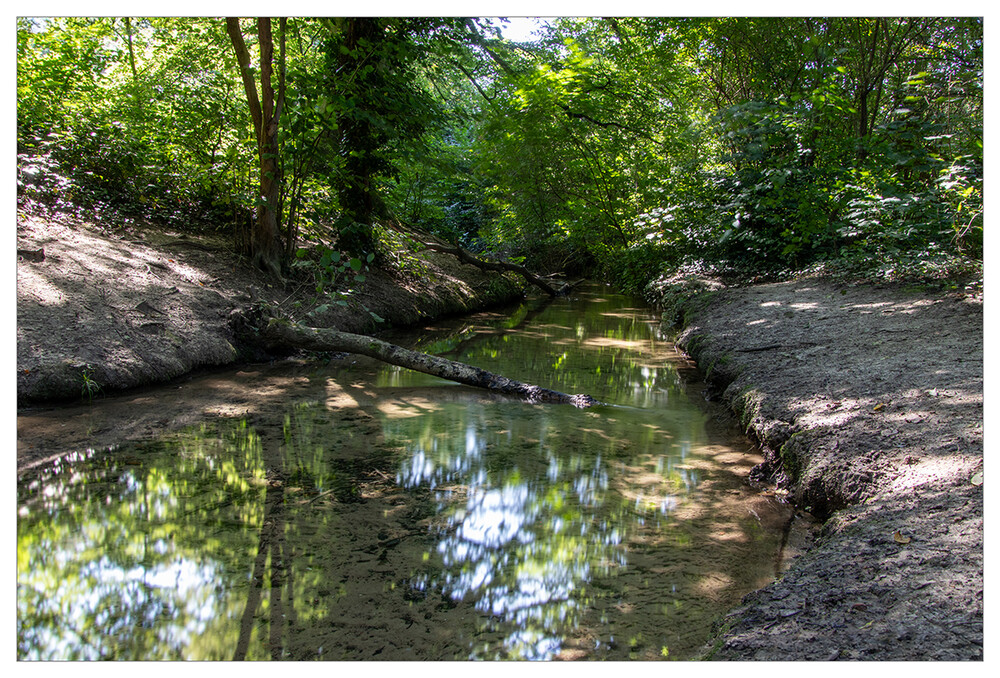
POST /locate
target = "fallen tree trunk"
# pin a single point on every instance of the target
(282, 334)
(500, 267)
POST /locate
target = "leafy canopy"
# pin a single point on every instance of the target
(614, 147)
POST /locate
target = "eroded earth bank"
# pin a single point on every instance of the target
(868, 402)
(102, 309)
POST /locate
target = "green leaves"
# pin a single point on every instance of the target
(337, 275)
(773, 142)
(158, 139)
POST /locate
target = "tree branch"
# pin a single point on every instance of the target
(481, 42)
(498, 266)
(472, 79)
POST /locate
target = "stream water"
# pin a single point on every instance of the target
(361, 511)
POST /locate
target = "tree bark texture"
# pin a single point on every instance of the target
(282, 334)
(131, 50)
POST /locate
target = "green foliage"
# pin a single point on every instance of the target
(774, 206)
(632, 268)
(160, 139)
(372, 85)
(337, 276)
(797, 184)
(440, 193)
(397, 248)
(614, 147)
(581, 144)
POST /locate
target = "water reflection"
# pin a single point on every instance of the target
(521, 552)
(107, 565)
(425, 521)
(531, 510)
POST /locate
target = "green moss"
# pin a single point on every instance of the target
(789, 457)
(695, 345)
(694, 305)
(746, 405)
(717, 643)
(679, 301)
(681, 307)
(722, 371)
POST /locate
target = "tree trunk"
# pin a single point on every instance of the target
(265, 110)
(131, 50)
(282, 334)
(363, 39)
(265, 242)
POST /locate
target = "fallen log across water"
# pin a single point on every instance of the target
(283, 334)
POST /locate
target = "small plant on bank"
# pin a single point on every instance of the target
(335, 274)
(89, 387)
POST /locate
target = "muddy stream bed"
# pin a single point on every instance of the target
(344, 509)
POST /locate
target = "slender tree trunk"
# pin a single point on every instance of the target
(300, 165)
(256, 585)
(265, 243)
(265, 110)
(131, 51)
(278, 576)
(271, 541)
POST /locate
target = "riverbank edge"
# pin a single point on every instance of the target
(102, 310)
(896, 572)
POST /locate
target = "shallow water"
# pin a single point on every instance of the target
(377, 513)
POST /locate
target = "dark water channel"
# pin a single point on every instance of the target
(375, 513)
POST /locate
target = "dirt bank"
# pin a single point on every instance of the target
(868, 401)
(124, 306)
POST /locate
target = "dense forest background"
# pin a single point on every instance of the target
(617, 148)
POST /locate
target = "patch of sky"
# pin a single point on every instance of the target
(520, 29)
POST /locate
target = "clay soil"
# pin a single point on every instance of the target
(868, 402)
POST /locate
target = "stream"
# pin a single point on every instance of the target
(351, 510)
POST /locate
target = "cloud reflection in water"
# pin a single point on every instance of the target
(525, 542)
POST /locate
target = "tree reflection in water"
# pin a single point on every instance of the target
(529, 536)
(112, 557)
(406, 518)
